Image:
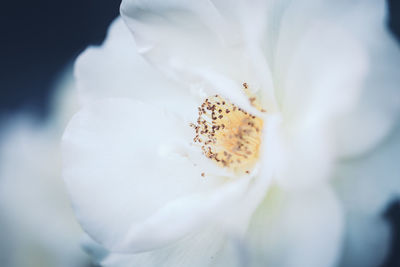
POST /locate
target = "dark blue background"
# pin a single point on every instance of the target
(38, 38)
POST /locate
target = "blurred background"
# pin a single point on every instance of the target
(39, 40)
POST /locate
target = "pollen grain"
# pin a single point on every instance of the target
(227, 134)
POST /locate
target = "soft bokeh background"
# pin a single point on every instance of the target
(39, 41)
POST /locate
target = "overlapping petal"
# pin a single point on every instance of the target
(302, 228)
(372, 119)
(127, 192)
(190, 39)
(372, 114)
(116, 69)
(209, 247)
(366, 185)
(188, 33)
(135, 183)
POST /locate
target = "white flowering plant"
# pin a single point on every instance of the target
(232, 133)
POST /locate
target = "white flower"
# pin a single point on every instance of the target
(37, 224)
(225, 154)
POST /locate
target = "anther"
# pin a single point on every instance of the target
(231, 139)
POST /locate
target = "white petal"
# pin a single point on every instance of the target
(379, 105)
(300, 228)
(371, 116)
(124, 189)
(96, 252)
(322, 82)
(186, 39)
(290, 25)
(116, 69)
(210, 247)
(366, 186)
(257, 22)
(179, 217)
(306, 157)
(374, 175)
(188, 31)
(324, 76)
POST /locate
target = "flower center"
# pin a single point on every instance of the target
(228, 135)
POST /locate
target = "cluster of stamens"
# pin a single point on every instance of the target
(227, 134)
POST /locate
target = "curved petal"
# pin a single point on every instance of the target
(127, 193)
(171, 32)
(369, 118)
(366, 186)
(306, 157)
(302, 228)
(186, 39)
(377, 110)
(115, 69)
(375, 176)
(324, 77)
(209, 247)
(182, 216)
(323, 81)
(294, 21)
(96, 252)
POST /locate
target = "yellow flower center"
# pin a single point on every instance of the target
(228, 135)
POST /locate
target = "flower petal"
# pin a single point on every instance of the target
(300, 228)
(116, 69)
(324, 77)
(307, 157)
(187, 39)
(187, 31)
(209, 247)
(375, 176)
(366, 186)
(375, 114)
(322, 82)
(187, 213)
(125, 188)
(370, 114)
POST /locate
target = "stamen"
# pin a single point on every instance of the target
(228, 135)
(252, 98)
